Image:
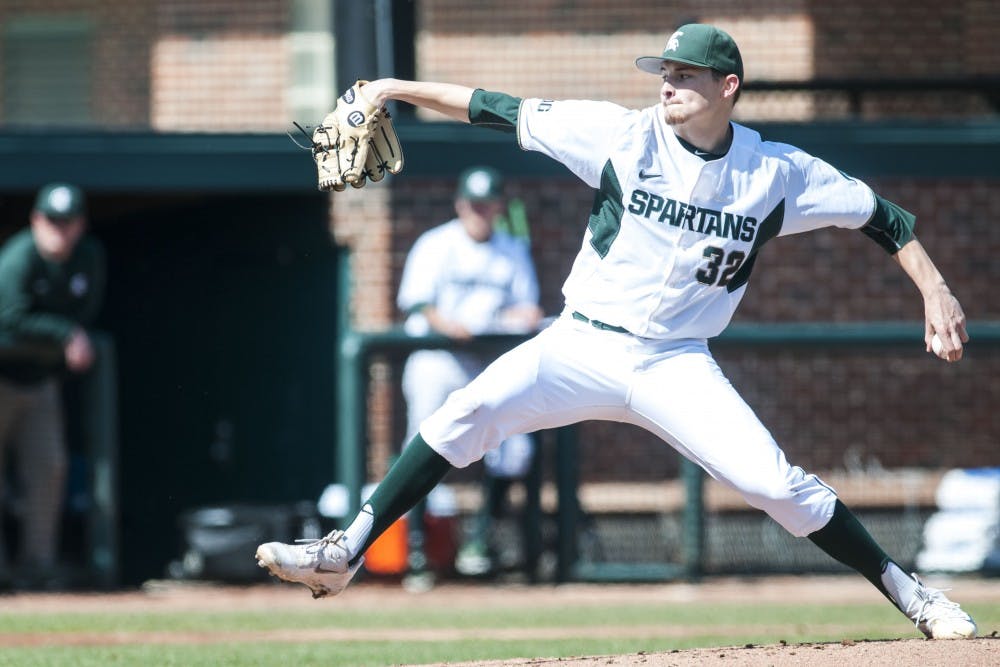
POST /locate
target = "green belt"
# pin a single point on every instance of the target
(598, 323)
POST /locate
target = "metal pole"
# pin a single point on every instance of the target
(384, 43)
(532, 519)
(693, 540)
(567, 517)
(352, 423)
(351, 393)
(355, 45)
(101, 415)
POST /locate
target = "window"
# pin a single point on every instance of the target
(310, 91)
(47, 71)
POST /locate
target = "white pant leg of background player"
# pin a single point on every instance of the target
(429, 376)
(512, 459)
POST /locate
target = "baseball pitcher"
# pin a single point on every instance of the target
(684, 201)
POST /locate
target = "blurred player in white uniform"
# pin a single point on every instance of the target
(684, 200)
(462, 279)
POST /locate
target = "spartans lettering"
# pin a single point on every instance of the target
(710, 222)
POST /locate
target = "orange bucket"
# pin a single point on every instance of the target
(387, 554)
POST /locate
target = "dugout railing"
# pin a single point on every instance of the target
(357, 350)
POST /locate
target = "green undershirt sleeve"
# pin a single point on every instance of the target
(890, 226)
(497, 111)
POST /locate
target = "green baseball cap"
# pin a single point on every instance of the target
(701, 45)
(60, 201)
(480, 184)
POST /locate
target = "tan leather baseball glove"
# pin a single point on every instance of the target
(355, 143)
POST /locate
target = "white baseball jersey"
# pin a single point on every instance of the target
(473, 283)
(672, 237)
(465, 280)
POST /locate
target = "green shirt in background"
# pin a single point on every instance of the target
(41, 301)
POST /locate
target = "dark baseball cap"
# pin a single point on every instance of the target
(60, 201)
(480, 184)
(701, 45)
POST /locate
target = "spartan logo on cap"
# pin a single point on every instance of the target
(674, 42)
(478, 184)
(60, 199)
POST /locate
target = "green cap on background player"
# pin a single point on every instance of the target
(480, 184)
(60, 201)
(700, 45)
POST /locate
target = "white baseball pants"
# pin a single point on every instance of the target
(572, 372)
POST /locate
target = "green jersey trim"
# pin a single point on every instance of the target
(769, 228)
(497, 111)
(890, 226)
(607, 211)
(417, 307)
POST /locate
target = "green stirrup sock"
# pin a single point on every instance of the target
(414, 474)
(845, 539)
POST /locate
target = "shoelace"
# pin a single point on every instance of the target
(934, 600)
(313, 545)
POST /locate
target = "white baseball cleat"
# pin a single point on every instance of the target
(937, 616)
(321, 564)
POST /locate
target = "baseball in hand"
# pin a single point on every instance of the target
(936, 345)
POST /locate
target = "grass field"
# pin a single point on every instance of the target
(374, 624)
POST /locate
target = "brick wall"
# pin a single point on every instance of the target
(221, 65)
(225, 65)
(187, 65)
(901, 38)
(581, 49)
(563, 50)
(122, 45)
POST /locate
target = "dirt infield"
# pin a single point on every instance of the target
(371, 597)
(848, 654)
